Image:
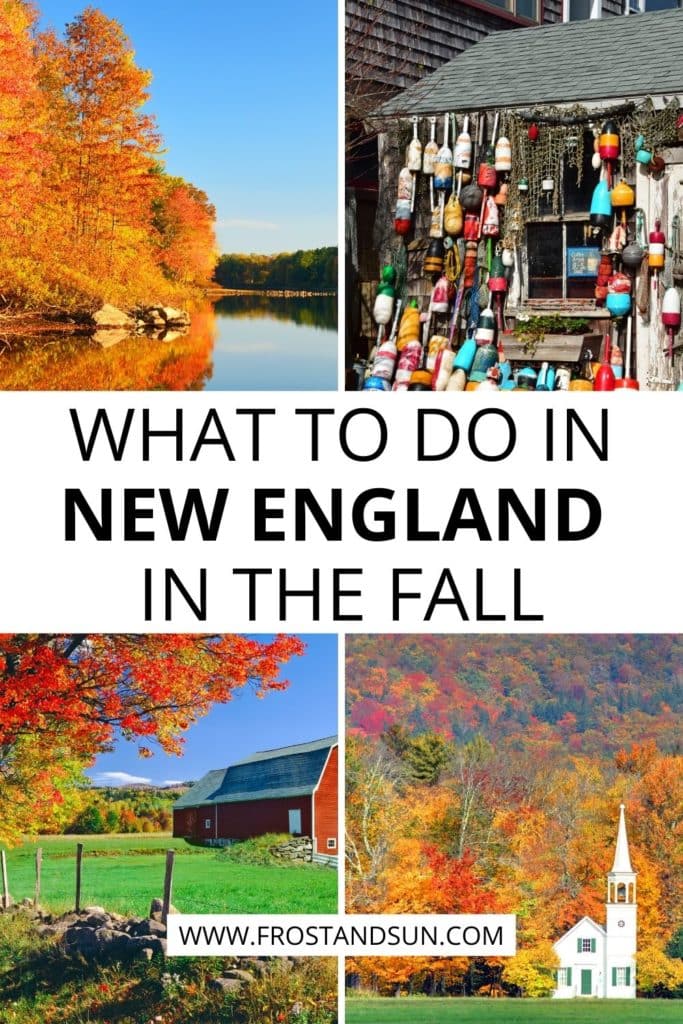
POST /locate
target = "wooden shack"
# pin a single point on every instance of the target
(390, 44)
(566, 79)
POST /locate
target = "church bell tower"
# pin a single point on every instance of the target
(621, 923)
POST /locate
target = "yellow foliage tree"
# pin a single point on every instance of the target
(658, 974)
(532, 970)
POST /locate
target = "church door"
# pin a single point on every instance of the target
(586, 982)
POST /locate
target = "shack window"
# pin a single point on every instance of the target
(658, 5)
(563, 260)
(522, 8)
(580, 10)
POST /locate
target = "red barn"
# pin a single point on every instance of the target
(291, 789)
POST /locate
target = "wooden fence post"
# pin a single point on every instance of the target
(39, 863)
(79, 861)
(5, 887)
(168, 884)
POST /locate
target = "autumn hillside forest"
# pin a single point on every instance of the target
(485, 774)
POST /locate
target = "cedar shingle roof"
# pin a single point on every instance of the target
(607, 59)
(285, 772)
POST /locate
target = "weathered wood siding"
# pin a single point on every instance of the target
(396, 42)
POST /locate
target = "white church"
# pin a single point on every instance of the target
(600, 962)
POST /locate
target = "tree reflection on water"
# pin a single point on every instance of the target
(116, 361)
(309, 310)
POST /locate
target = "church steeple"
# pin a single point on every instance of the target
(622, 859)
(621, 881)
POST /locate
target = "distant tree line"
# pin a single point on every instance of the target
(124, 810)
(313, 270)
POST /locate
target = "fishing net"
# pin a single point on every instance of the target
(561, 143)
(399, 261)
(540, 160)
(658, 127)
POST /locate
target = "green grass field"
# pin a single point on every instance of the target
(124, 873)
(510, 1011)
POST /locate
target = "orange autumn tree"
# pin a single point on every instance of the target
(184, 219)
(65, 697)
(21, 139)
(105, 150)
(82, 185)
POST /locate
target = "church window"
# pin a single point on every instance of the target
(621, 893)
(621, 976)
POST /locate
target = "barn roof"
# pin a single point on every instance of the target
(571, 62)
(284, 772)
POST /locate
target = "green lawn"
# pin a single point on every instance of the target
(124, 873)
(510, 1011)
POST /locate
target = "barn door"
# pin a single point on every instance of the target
(295, 822)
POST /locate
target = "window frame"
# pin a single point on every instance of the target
(586, 945)
(510, 9)
(570, 218)
(563, 218)
(596, 11)
(642, 7)
(207, 823)
(331, 843)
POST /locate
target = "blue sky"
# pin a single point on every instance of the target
(306, 711)
(245, 95)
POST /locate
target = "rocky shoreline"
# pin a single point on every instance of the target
(152, 319)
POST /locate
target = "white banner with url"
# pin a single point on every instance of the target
(342, 935)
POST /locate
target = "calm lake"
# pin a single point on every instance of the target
(238, 343)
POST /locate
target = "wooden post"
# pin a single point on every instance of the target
(168, 884)
(79, 861)
(5, 887)
(39, 863)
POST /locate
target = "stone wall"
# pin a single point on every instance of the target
(97, 935)
(298, 848)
